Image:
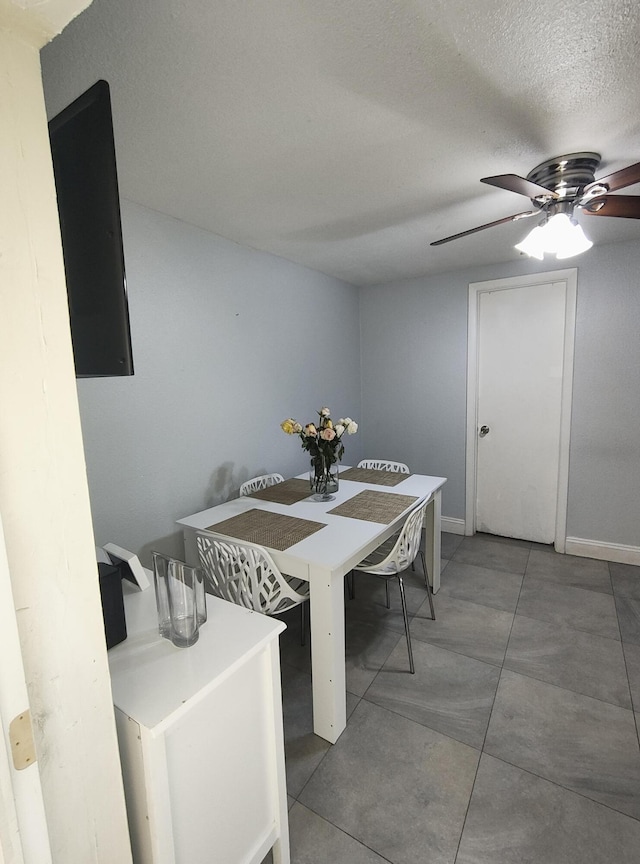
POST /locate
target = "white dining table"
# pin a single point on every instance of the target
(323, 559)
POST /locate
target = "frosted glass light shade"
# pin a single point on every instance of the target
(561, 236)
(533, 243)
(573, 241)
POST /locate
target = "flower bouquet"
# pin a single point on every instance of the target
(323, 441)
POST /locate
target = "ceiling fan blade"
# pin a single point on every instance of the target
(627, 206)
(488, 225)
(514, 183)
(619, 179)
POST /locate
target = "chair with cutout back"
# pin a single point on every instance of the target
(393, 557)
(261, 482)
(245, 574)
(384, 465)
(380, 465)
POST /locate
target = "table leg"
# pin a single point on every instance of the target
(432, 539)
(327, 653)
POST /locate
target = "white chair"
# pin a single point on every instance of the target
(384, 465)
(393, 556)
(247, 575)
(262, 482)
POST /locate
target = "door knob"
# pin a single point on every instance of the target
(484, 430)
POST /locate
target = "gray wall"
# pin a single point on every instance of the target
(227, 343)
(414, 358)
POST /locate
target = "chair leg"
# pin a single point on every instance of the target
(406, 624)
(386, 585)
(351, 584)
(303, 625)
(428, 584)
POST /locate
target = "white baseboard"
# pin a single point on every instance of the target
(452, 526)
(603, 551)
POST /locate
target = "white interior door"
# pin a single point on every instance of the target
(520, 364)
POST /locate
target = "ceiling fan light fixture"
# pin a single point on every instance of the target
(574, 241)
(533, 243)
(561, 235)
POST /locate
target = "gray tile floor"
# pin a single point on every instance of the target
(515, 741)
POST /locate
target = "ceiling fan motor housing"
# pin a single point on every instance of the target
(566, 176)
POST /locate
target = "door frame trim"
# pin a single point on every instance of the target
(570, 278)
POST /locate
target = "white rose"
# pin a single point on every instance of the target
(325, 412)
(347, 421)
(339, 429)
(352, 428)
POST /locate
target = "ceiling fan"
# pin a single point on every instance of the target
(556, 188)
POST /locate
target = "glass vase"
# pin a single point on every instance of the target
(323, 478)
(180, 599)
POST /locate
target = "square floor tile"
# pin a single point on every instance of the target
(449, 543)
(367, 648)
(468, 628)
(315, 841)
(569, 658)
(515, 817)
(632, 658)
(303, 749)
(629, 619)
(625, 579)
(450, 693)
(395, 786)
(368, 643)
(370, 601)
(584, 744)
(494, 588)
(571, 607)
(570, 570)
(509, 556)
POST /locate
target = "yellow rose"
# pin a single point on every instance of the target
(310, 429)
(328, 424)
(288, 426)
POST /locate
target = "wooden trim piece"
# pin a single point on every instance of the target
(616, 552)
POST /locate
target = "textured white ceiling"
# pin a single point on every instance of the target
(347, 135)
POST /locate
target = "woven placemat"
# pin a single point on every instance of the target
(273, 530)
(289, 492)
(373, 506)
(372, 475)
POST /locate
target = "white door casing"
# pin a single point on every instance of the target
(24, 837)
(520, 368)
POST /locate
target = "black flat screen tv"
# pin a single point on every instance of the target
(84, 165)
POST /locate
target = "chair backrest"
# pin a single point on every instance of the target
(407, 545)
(245, 574)
(384, 465)
(262, 482)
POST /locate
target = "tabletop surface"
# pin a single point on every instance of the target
(336, 545)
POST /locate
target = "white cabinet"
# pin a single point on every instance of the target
(201, 740)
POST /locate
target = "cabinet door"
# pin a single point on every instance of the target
(220, 764)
